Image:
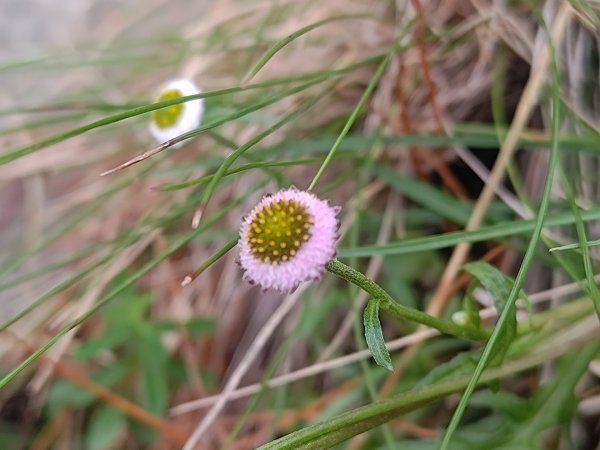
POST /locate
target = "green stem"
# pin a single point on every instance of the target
(357, 109)
(525, 265)
(333, 431)
(398, 310)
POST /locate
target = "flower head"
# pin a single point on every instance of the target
(287, 239)
(171, 121)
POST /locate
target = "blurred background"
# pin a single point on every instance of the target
(100, 345)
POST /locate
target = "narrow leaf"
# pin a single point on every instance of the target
(107, 425)
(374, 335)
(153, 367)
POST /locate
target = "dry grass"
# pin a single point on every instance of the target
(119, 55)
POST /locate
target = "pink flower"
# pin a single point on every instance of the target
(287, 239)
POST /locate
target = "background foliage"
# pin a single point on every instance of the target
(433, 124)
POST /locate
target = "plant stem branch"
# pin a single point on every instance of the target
(398, 310)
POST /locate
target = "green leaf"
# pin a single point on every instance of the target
(11, 438)
(335, 430)
(106, 426)
(499, 286)
(471, 309)
(425, 194)
(64, 393)
(131, 310)
(506, 314)
(374, 335)
(459, 366)
(555, 404)
(153, 365)
(112, 337)
(201, 325)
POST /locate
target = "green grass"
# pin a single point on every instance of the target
(330, 99)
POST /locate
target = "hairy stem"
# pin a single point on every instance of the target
(398, 310)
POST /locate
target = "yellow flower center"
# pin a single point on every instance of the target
(168, 116)
(278, 230)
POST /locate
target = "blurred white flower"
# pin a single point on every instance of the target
(171, 121)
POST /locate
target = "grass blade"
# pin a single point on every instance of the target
(504, 318)
(590, 286)
(498, 231)
(264, 59)
(357, 109)
(120, 288)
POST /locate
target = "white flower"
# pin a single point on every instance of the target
(171, 121)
